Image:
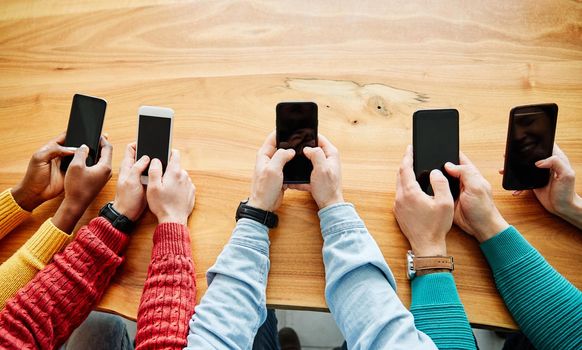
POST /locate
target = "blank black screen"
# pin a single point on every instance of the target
(85, 125)
(530, 138)
(153, 139)
(435, 142)
(297, 128)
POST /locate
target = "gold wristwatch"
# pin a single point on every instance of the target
(423, 265)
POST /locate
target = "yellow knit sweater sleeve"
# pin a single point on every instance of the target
(11, 214)
(38, 251)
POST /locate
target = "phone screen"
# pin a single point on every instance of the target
(530, 138)
(85, 126)
(297, 128)
(435, 141)
(153, 139)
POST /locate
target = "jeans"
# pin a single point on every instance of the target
(100, 331)
(267, 337)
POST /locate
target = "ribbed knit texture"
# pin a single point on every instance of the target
(169, 294)
(547, 307)
(439, 313)
(21, 267)
(55, 302)
(11, 214)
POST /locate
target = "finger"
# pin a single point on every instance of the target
(106, 152)
(155, 172)
(440, 186)
(138, 168)
(328, 148)
(464, 160)
(468, 174)
(174, 162)
(281, 157)
(129, 157)
(54, 150)
(501, 171)
(406, 172)
(267, 149)
(516, 193)
(315, 155)
(80, 157)
(60, 139)
(556, 163)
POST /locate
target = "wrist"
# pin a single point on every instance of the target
(573, 212)
(25, 199)
(491, 228)
(121, 209)
(173, 219)
(67, 216)
(338, 198)
(439, 249)
(255, 203)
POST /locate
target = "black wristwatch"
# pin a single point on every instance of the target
(264, 217)
(117, 220)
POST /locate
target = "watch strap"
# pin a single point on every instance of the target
(433, 262)
(264, 217)
(117, 220)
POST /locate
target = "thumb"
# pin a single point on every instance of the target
(315, 155)
(155, 172)
(440, 186)
(282, 156)
(554, 163)
(453, 169)
(55, 150)
(81, 155)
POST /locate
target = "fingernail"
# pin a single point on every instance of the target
(84, 147)
(156, 163)
(144, 158)
(436, 172)
(72, 149)
(539, 162)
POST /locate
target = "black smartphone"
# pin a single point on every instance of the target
(297, 128)
(154, 136)
(435, 141)
(85, 126)
(530, 137)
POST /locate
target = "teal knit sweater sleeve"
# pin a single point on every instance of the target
(547, 307)
(439, 313)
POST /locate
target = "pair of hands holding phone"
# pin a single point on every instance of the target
(172, 194)
(267, 187)
(425, 220)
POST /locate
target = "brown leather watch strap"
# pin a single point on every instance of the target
(433, 262)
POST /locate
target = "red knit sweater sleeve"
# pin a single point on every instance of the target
(169, 294)
(59, 298)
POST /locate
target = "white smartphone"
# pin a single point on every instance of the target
(154, 135)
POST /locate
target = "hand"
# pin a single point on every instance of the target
(82, 185)
(267, 187)
(425, 220)
(475, 212)
(559, 195)
(171, 196)
(43, 179)
(326, 177)
(130, 198)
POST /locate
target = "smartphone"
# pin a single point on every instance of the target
(530, 137)
(154, 136)
(297, 128)
(435, 141)
(85, 126)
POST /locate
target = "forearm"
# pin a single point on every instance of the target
(360, 289)
(439, 313)
(544, 304)
(234, 305)
(23, 265)
(169, 294)
(45, 312)
(11, 213)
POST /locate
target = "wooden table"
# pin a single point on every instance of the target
(223, 65)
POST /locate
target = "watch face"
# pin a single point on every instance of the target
(410, 265)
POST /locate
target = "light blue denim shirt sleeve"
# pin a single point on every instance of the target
(234, 306)
(360, 289)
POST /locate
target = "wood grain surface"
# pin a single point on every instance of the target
(223, 65)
